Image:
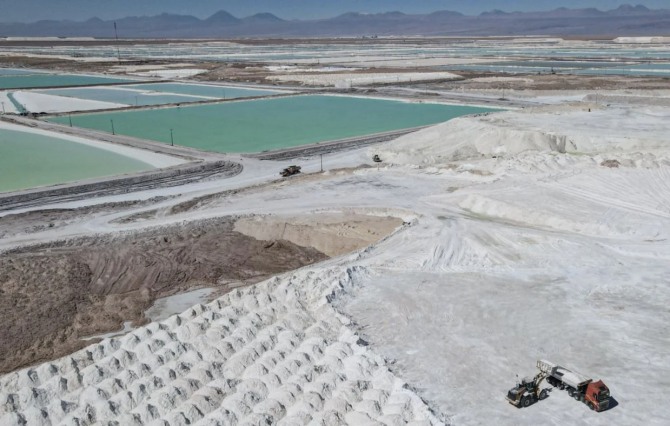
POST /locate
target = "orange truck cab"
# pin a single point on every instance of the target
(597, 396)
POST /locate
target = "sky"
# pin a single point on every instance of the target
(34, 10)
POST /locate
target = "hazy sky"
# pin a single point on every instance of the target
(33, 10)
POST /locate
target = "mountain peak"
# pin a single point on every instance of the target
(268, 17)
(576, 13)
(494, 12)
(630, 9)
(222, 16)
(626, 20)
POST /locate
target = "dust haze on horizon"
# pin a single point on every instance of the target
(35, 10)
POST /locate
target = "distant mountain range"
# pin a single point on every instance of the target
(626, 20)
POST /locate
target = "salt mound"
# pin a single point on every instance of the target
(467, 138)
(561, 129)
(275, 353)
(522, 214)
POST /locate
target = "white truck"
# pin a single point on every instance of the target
(582, 388)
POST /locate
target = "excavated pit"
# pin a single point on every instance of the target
(55, 295)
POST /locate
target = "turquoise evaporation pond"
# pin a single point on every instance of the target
(268, 124)
(220, 92)
(28, 160)
(121, 96)
(53, 80)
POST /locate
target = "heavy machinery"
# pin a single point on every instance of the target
(290, 171)
(594, 394)
(527, 391)
(376, 159)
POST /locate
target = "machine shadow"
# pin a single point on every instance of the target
(613, 403)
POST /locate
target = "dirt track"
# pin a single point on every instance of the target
(175, 176)
(53, 295)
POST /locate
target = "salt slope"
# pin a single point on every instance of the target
(275, 353)
(560, 129)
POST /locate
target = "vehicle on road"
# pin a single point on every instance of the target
(290, 171)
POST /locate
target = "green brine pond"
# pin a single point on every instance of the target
(268, 124)
(28, 160)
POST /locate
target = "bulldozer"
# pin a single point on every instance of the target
(290, 171)
(528, 391)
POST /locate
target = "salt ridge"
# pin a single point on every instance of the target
(557, 129)
(274, 353)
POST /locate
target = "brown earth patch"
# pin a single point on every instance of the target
(333, 234)
(54, 294)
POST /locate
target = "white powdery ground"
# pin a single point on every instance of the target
(178, 73)
(152, 67)
(275, 353)
(7, 104)
(41, 102)
(358, 59)
(296, 69)
(365, 79)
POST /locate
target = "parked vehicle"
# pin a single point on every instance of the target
(290, 171)
(527, 391)
(596, 395)
(582, 388)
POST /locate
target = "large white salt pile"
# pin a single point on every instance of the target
(571, 129)
(274, 353)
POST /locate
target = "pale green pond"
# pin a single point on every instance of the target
(267, 124)
(28, 160)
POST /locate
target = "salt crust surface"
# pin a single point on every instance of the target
(351, 79)
(42, 102)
